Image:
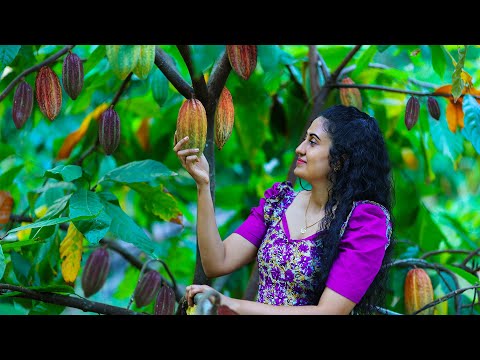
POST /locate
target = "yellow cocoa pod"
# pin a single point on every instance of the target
(418, 291)
(192, 122)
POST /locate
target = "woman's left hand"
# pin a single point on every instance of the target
(194, 289)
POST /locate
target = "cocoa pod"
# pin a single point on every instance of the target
(122, 59)
(165, 302)
(95, 271)
(6, 205)
(22, 104)
(159, 84)
(412, 112)
(192, 122)
(109, 130)
(350, 96)
(418, 291)
(72, 75)
(224, 118)
(146, 58)
(49, 92)
(243, 59)
(147, 288)
(433, 107)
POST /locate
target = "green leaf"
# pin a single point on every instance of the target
(157, 202)
(382, 48)
(94, 58)
(56, 185)
(54, 211)
(127, 230)
(471, 131)
(426, 232)
(138, 171)
(439, 60)
(203, 56)
(64, 172)
(18, 244)
(6, 150)
(95, 229)
(84, 203)
(472, 279)
(364, 60)
(42, 308)
(457, 82)
(39, 224)
(2, 262)
(7, 178)
(21, 266)
(7, 54)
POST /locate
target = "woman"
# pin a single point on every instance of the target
(321, 249)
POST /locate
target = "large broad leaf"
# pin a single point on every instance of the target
(127, 230)
(364, 60)
(64, 172)
(138, 171)
(6, 179)
(94, 58)
(54, 211)
(471, 131)
(7, 54)
(472, 279)
(426, 232)
(382, 48)
(71, 249)
(21, 266)
(19, 244)
(203, 56)
(439, 60)
(94, 229)
(2, 263)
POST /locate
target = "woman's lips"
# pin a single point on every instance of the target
(300, 161)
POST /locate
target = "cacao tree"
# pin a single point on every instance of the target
(87, 169)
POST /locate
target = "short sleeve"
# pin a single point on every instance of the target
(361, 251)
(254, 228)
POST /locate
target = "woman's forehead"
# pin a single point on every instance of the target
(317, 126)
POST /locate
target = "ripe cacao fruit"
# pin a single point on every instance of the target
(122, 58)
(145, 61)
(159, 84)
(95, 271)
(22, 104)
(412, 112)
(409, 158)
(6, 205)
(49, 92)
(243, 59)
(433, 107)
(165, 302)
(224, 118)
(147, 288)
(418, 291)
(109, 130)
(72, 75)
(192, 122)
(350, 96)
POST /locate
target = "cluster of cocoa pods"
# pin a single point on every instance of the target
(150, 287)
(413, 108)
(125, 59)
(48, 90)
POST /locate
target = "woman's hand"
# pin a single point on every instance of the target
(193, 290)
(196, 166)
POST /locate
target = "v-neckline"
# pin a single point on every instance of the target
(286, 229)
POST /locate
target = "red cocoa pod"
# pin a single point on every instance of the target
(433, 107)
(418, 292)
(165, 302)
(243, 59)
(109, 130)
(72, 75)
(411, 112)
(49, 92)
(224, 118)
(147, 288)
(192, 122)
(6, 205)
(22, 104)
(350, 96)
(95, 271)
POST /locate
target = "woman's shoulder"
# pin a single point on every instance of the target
(279, 188)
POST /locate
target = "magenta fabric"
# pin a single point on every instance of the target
(364, 238)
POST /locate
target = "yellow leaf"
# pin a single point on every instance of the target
(73, 138)
(23, 234)
(71, 249)
(467, 78)
(454, 115)
(143, 133)
(41, 211)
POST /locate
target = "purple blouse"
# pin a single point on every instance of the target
(288, 268)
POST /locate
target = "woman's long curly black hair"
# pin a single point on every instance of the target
(364, 174)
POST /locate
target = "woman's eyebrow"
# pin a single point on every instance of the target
(313, 134)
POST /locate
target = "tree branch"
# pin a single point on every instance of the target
(163, 63)
(313, 71)
(450, 251)
(334, 76)
(121, 90)
(324, 67)
(24, 73)
(67, 300)
(469, 257)
(198, 80)
(218, 79)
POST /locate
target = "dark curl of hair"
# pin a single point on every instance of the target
(361, 170)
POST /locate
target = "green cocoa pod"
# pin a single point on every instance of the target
(159, 84)
(122, 58)
(146, 59)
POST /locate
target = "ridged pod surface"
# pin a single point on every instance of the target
(350, 96)
(22, 104)
(224, 118)
(418, 292)
(49, 92)
(147, 288)
(165, 302)
(146, 58)
(411, 112)
(6, 205)
(122, 58)
(95, 271)
(109, 130)
(433, 107)
(192, 122)
(243, 59)
(159, 84)
(72, 75)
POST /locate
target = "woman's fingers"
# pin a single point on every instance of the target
(192, 290)
(179, 144)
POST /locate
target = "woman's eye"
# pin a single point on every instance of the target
(312, 142)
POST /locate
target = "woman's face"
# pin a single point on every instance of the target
(313, 152)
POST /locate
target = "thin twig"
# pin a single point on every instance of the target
(163, 63)
(323, 67)
(384, 311)
(87, 152)
(121, 90)
(24, 73)
(313, 71)
(472, 254)
(198, 80)
(334, 76)
(450, 251)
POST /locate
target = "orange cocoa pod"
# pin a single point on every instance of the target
(350, 96)
(6, 205)
(243, 59)
(49, 92)
(192, 122)
(418, 292)
(224, 118)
